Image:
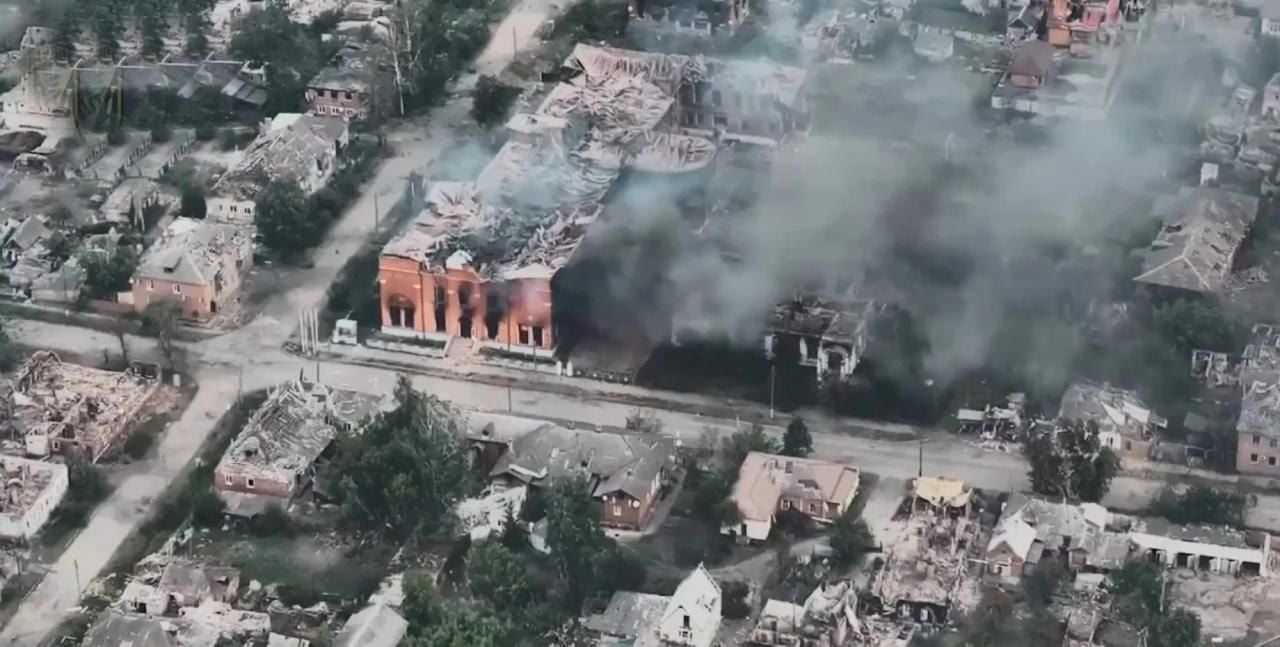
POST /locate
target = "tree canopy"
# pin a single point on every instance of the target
(407, 468)
(1071, 463)
(752, 439)
(851, 538)
(107, 273)
(283, 220)
(1199, 504)
(491, 101)
(797, 441)
(499, 576)
(574, 537)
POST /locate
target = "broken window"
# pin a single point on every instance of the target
(1257, 440)
(810, 349)
(720, 121)
(537, 335)
(715, 98)
(439, 307)
(401, 311)
(524, 335)
(493, 312)
(1271, 460)
(249, 483)
(464, 296)
(1253, 458)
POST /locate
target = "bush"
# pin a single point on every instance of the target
(734, 599)
(206, 132)
(207, 508)
(87, 484)
(297, 594)
(116, 137)
(138, 444)
(161, 134)
(228, 141)
(272, 521)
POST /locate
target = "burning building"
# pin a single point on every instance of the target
(481, 260)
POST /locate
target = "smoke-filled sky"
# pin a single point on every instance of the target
(966, 245)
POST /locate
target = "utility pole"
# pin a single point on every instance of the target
(509, 409)
(75, 563)
(920, 469)
(376, 214)
(514, 48)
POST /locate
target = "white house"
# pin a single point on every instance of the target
(1205, 548)
(32, 490)
(692, 617)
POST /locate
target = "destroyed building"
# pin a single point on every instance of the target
(1195, 250)
(720, 17)
(179, 585)
(355, 84)
(828, 617)
(768, 484)
(628, 472)
(480, 262)
(922, 577)
(992, 422)
(1031, 530)
(272, 460)
(198, 264)
(68, 408)
(294, 148)
(689, 617)
(1125, 423)
(1217, 549)
(33, 489)
(830, 338)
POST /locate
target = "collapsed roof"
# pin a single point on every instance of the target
(1196, 247)
(292, 146)
(193, 251)
(626, 463)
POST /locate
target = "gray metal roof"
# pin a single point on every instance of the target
(625, 463)
(376, 625)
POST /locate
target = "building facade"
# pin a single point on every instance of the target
(198, 264)
(33, 489)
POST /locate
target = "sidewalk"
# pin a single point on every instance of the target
(547, 381)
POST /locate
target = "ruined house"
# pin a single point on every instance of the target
(828, 618)
(1125, 423)
(628, 472)
(689, 617)
(32, 490)
(829, 337)
(768, 484)
(1031, 530)
(294, 148)
(355, 84)
(273, 458)
(115, 629)
(480, 261)
(198, 264)
(180, 585)
(720, 17)
(62, 408)
(1195, 250)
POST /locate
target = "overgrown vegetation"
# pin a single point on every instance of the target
(86, 487)
(1199, 504)
(407, 468)
(1071, 463)
(491, 101)
(1140, 599)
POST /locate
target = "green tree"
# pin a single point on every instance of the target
(152, 22)
(1179, 628)
(462, 627)
(491, 101)
(499, 576)
(160, 320)
(711, 500)
(797, 441)
(1137, 587)
(593, 20)
(407, 468)
(1199, 324)
(283, 221)
(107, 273)
(1071, 463)
(197, 27)
(645, 422)
(1043, 582)
(419, 605)
(67, 33)
(574, 537)
(1199, 504)
(193, 202)
(753, 439)
(850, 540)
(291, 55)
(107, 23)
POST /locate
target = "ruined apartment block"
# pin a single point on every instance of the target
(32, 490)
(196, 263)
(354, 85)
(1195, 250)
(295, 148)
(1258, 427)
(64, 408)
(479, 262)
